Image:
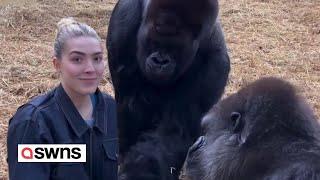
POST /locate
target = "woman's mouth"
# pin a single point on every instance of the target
(88, 80)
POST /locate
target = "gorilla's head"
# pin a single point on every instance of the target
(242, 133)
(170, 34)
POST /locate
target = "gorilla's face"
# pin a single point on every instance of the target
(226, 128)
(168, 40)
(222, 128)
(258, 114)
(165, 48)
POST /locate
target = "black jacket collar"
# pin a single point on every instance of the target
(73, 116)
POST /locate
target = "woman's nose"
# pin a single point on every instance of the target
(89, 67)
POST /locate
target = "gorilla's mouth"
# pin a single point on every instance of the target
(160, 67)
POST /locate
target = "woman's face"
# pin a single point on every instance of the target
(81, 66)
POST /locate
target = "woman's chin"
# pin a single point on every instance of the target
(85, 90)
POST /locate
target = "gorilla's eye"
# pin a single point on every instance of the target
(236, 121)
(198, 144)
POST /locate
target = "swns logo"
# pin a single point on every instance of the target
(51, 152)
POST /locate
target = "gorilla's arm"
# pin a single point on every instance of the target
(154, 158)
(123, 26)
(121, 39)
(214, 65)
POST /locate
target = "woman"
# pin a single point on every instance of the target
(75, 112)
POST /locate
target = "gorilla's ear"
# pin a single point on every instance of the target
(237, 123)
(239, 127)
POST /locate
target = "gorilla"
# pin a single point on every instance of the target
(169, 64)
(266, 131)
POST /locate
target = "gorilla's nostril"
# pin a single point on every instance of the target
(164, 62)
(160, 61)
(155, 60)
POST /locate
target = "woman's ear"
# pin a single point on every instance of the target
(56, 64)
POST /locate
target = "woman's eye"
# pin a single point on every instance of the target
(77, 59)
(98, 59)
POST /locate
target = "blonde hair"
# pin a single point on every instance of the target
(69, 28)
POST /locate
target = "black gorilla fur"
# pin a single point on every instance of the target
(266, 131)
(169, 64)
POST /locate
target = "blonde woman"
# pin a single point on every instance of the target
(75, 112)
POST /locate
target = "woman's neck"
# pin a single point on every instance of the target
(81, 102)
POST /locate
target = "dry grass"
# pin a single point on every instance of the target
(265, 38)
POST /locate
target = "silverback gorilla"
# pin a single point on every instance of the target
(266, 131)
(169, 64)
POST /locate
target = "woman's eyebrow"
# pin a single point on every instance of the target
(97, 53)
(77, 52)
(82, 53)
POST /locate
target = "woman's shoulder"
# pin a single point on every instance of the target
(27, 111)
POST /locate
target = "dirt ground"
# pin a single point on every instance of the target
(265, 38)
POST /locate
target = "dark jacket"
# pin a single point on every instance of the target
(53, 119)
